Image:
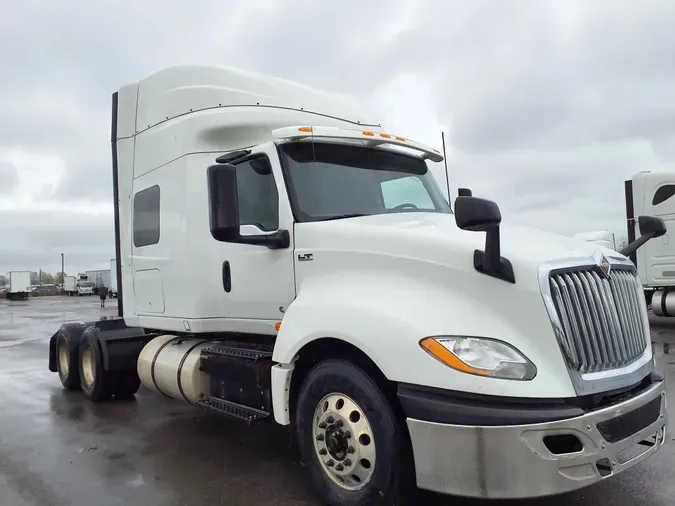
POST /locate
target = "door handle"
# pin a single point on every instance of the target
(227, 278)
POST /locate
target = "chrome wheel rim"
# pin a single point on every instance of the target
(64, 357)
(88, 364)
(343, 441)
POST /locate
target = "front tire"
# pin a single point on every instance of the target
(350, 439)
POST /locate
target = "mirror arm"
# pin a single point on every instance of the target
(492, 250)
(490, 262)
(632, 247)
(280, 239)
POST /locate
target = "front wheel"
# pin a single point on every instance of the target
(350, 439)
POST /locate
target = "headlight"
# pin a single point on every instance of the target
(480, 356)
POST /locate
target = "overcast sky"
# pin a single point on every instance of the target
(548, 106)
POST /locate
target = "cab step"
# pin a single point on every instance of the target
(249, 354)
(233, 410)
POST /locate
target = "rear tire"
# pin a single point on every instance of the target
(97, 384)
(356, 450)
(67, 355)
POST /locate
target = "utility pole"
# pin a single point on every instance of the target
(63, 275)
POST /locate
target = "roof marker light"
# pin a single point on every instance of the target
(369, 137)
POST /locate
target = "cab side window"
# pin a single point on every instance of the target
(257, 194)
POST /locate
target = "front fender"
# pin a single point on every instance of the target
(387, 316)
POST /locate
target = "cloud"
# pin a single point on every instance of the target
(29, 241)
(547, 106)
(9, 177)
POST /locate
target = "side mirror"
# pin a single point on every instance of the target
(464, 192)
(223, 202)
(481, 215)
(473, 213)
(650, 227)
(224, 211)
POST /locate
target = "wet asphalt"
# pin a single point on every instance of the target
(58, 449)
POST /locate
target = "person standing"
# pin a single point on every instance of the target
(102, 295)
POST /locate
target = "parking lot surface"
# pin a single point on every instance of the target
(58, 449)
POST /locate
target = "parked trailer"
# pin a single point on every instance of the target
(100, 279)
(19, 285)
(70, 285)
(292, 260)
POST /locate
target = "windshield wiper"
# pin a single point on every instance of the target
(342, 216)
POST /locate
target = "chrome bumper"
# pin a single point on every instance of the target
(514, 462)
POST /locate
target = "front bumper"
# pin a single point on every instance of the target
(514, 461)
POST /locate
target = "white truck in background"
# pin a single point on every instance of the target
(291, 260)
(653, 193)
(19, 285)
(84, 285)
(70, 285)
(112, 289)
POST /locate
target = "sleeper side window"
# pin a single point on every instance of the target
(146, 217)
(663, 194)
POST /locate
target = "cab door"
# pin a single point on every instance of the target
(259, 282)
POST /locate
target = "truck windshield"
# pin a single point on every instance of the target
(332, 181)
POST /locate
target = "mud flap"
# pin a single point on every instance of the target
(52, 352)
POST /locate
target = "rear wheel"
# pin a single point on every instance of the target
(97, 384)
(67, 353)
(350, 439)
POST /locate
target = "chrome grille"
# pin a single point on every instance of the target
(603, 320)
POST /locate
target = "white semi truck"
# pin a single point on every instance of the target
(652, 192)
(19, 285)
(284, 257)
(85, 286)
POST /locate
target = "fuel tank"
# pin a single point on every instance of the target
(663, 303)
(170, 365)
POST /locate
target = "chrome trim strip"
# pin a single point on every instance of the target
(591, 382)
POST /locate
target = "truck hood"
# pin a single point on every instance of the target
(435, 238)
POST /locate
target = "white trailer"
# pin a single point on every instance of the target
(291, 260)
(100, 279)
(19, 285)
(112, 289)
(70, 285)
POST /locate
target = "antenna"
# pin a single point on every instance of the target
(445, 160)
